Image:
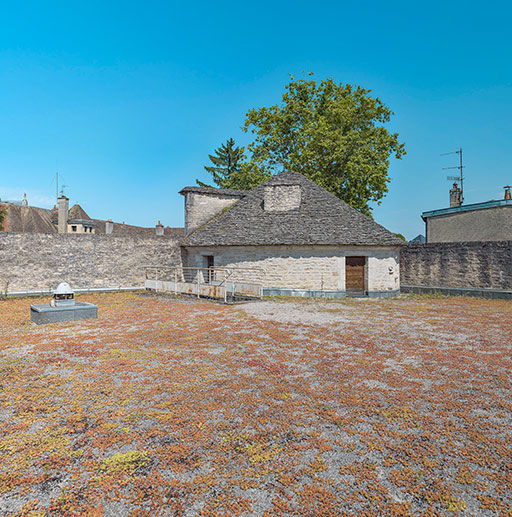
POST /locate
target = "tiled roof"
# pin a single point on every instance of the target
(28, 219)
(76, 212)
(128, 229)
(31, 219)
(321, 219)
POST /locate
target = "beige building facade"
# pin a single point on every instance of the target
(298, 269)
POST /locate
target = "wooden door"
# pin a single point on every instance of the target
(354, 274)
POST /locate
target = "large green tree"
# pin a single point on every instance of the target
(230, 168)
(332, 133)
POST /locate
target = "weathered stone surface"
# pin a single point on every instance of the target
(204, 203)
(484, 265)
(303, 267)
(33, 261)
(281, 198)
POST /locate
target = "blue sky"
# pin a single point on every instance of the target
(129, 98)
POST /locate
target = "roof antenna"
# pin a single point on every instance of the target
(457, 178)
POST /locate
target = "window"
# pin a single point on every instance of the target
(73, 228)
(209, 263)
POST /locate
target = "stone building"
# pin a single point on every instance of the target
(23, 218)
(487, 221)
(303, 239)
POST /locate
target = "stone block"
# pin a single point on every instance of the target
(42, 314)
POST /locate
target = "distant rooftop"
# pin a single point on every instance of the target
(11, 202)
(467, 208)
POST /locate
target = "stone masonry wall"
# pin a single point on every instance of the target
(32, 261)
(304, 267)
(484, 265)
(200, 208)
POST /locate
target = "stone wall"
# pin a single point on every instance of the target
(31, 261)
(201, 207)
(482, 265)
(304, 267)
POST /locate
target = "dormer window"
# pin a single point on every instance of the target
(282, 198)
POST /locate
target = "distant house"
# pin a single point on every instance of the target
(79, 221)
(306, 240)
(23, 218)
(487, 221)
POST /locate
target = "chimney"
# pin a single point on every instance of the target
(455, 196)
(63, 203)
(109, 227)
(507, 191)
(159, 228)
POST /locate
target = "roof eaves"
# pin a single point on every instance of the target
(467, 208)
(215, 191)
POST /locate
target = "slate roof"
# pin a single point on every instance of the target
(321, 219)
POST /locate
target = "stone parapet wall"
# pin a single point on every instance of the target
(30, 261)
(479, 265)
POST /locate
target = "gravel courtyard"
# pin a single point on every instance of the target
(168, 406)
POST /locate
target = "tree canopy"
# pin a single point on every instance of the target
(332, 133)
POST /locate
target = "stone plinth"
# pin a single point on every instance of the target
(41, 314)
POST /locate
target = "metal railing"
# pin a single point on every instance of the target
(211, 282)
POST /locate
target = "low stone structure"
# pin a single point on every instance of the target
(62, 307)
(303, 239)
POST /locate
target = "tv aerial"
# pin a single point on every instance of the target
(460, 177)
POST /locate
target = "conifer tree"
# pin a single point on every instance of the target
(227, 162)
